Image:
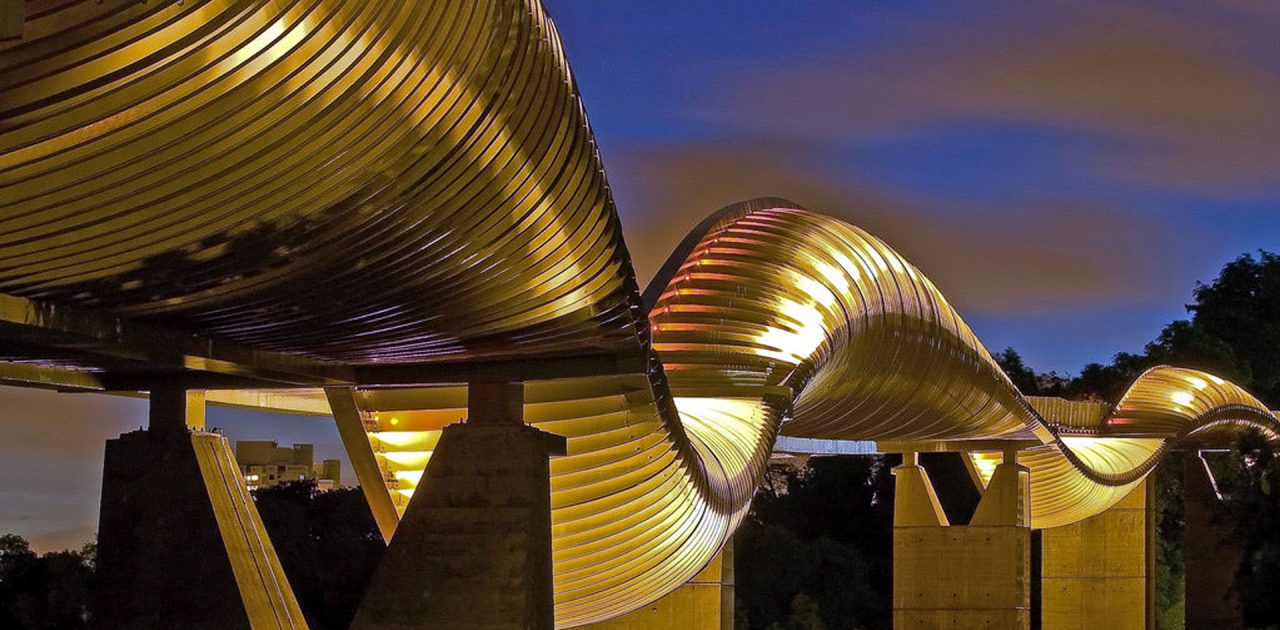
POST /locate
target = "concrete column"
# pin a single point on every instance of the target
(962, 577)
(1100, 572)
(473, 549)
(176, 409)
(180, 543)
(703, 603)
(1211, 560)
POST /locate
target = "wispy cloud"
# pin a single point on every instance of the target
(1051, 254)
(1184, 94)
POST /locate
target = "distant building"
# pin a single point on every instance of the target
(264, 464)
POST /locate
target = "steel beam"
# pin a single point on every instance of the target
(96, 341)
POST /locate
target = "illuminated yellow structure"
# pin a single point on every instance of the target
(774, 312)
(384, 198)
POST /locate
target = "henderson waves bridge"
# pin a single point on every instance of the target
(395, 212)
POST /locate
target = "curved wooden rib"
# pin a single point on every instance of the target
(345, 180)
(774, 319)
(382, 181)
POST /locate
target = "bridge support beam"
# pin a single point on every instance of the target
(962, 577)
(1211, 559)
(180, 543)
(1100, 572)
(703, 603)
(473, 549)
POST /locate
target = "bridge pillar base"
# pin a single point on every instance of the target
(180, 543)
(703, 603)
(1100, 572)
(473, 549)
(961, 577)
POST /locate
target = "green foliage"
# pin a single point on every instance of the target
(44, 592)
(329, 546)
(1250, 484)
(1027, 380)
(804, 615)
(1023, 377)
(816, 550)
(1170, 515)
(1234, 332)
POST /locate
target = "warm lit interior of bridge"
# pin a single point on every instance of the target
(335, 197)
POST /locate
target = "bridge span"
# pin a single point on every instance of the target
(395, 213)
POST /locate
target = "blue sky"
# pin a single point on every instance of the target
(1064, 171)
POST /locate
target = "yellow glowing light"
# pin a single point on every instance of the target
(1182, 398)
(408, 459)
(1198, 382)
(404, 439)
(409, 477)
(834, 277)
(986, 465)
(793, 346)
(1112, 455)
(816, 290)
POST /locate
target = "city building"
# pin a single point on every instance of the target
(264, 464)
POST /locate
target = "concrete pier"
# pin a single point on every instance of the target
(1100, 572)
(965, 576)
(473, 549)
(180, 543)
(703, 603)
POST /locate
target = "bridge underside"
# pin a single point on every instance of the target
(397, 203)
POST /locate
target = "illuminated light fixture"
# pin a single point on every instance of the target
(814, 289)
(404, 439)
(795, 345)
(410, 477)
(409, 459)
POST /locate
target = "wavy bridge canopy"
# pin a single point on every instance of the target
(772, 319)
(349, 181)
(384, 182)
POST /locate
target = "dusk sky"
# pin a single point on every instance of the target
(1064, 171)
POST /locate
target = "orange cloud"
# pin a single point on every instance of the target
(1185, 93)
(1049, 255)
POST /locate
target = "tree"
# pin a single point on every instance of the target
(1027, 380)
(817, 546)
(1237, 323)
(1234, 333)
(49, 591)
(804, 614)
(1250, 484)
(1023, 377)
(329, 546)
(1170, 516)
